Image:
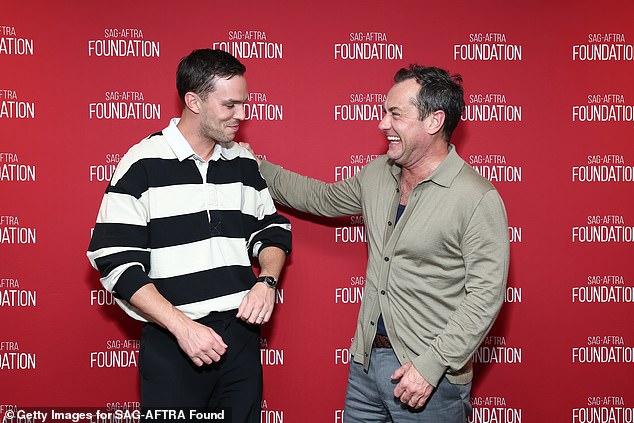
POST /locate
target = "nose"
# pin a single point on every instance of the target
(240, 112)
(384, 125)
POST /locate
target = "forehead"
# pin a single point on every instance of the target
(402, 94)
(234, 88)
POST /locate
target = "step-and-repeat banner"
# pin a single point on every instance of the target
(549, 120)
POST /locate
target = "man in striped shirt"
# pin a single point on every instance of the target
(183, 212)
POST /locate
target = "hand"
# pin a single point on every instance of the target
(257, 305)
(412, 388)
(247, 147)
(201, 344)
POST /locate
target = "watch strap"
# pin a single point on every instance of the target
(268, 280)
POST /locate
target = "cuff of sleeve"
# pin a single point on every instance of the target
(130, 281)
(430, 367)
(285, 248)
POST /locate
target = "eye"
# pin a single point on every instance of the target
(394, 112)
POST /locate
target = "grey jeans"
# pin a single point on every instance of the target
(370, 396)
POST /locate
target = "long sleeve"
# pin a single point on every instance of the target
(485, 249)
(119, 244)
(270, 229)
(313, 196)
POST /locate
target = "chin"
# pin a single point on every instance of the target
(394, 155)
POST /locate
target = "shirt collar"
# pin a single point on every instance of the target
(446, 171)
(183, 150)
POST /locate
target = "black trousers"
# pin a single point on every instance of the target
(169, 379)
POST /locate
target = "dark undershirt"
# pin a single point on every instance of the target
(380, 325)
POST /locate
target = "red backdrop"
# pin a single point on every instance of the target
(549, 120)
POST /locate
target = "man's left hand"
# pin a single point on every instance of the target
(257, 305)
(412, 389)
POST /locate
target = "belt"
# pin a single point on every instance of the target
(381, 341)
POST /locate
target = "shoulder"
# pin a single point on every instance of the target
(473, 180)
(246, 159)
(379, 165)
(242, 152)
(151, 147)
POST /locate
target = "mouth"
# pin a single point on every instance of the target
(393, 138)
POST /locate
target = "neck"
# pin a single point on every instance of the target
(201, 146)
(414, 173)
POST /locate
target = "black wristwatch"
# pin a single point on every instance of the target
(268, 280)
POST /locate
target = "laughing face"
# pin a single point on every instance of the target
(406, 133)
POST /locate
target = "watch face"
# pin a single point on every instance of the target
(269, 280)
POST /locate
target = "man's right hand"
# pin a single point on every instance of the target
(201, 344)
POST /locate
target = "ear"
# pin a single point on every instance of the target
(435, 122)
(193, 102)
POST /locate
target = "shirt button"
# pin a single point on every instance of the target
(386, 259)
(389, 223)
(382, 292)
(371, 323)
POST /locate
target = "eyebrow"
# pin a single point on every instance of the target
(233, 101)
(391, 109)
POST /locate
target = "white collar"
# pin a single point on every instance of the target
(183, 150)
